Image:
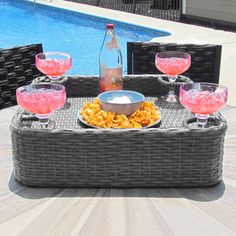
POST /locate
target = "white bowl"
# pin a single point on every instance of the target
(122, 102)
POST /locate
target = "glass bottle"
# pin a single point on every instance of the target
(110, 62)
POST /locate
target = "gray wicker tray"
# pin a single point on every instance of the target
(174, 154)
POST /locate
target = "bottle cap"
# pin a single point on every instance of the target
(110, 26)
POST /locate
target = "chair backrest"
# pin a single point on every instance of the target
(17, 68)
(205, 59)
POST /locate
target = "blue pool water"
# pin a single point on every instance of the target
(62, 30)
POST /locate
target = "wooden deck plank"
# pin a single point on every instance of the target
(167, 211)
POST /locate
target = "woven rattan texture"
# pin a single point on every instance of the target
(69, 155)
(17, 68)
(66, 118)
(87, 86)
(205, 64)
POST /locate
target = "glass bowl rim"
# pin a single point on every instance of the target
(65, 54)
(173, 51)
(215, 85)
(24, 87)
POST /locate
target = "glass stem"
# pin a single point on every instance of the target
(54, 79)
(172, 91)
(172, 79)
(171, 95)
(201, 120)
(44, 123)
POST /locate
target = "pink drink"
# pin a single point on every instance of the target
(53, 67)
(41, 99)
(53, 64)
(173, 65)
(202, 102)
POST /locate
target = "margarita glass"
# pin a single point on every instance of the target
(41, 99)
(172, 63)
(53, 64)
(203, 99)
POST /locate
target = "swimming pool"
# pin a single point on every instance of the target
(58, 29)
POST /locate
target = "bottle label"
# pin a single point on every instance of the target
(111, 79)
(112, 44)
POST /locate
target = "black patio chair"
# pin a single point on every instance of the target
(205, 65)
(17, 68)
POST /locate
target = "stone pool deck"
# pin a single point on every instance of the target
(28, 211)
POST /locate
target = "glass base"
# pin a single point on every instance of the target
(49, 125)
(171, 97)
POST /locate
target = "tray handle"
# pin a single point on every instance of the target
(189, 121)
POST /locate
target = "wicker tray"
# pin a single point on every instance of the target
(175, 154)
